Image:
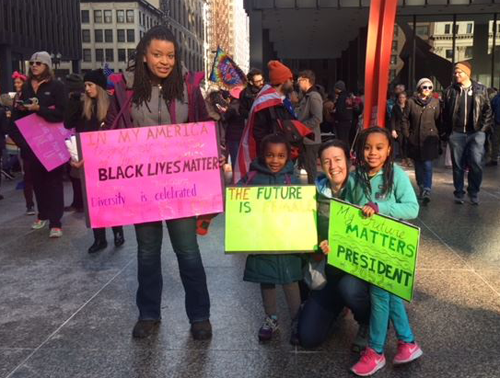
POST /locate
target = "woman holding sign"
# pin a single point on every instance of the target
(324, 306)
(88, 115)
(159, 91)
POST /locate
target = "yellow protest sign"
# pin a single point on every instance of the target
(271, 219)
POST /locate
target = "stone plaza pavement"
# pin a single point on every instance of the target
(67, 314)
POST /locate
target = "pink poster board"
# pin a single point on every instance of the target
(46, 139)
(151, 173)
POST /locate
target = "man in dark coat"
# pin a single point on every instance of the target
(255, 79)
(467, 118)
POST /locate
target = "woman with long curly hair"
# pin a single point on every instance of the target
(157, 90)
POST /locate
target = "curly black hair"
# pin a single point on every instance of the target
(173, 85)
(362, 168)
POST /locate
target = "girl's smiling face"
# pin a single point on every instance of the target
(377, 151)
(334, 164)
(276, 156)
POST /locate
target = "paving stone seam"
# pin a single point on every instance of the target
(69, 319)
(460, 257)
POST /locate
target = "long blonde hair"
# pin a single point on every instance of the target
(102, 105)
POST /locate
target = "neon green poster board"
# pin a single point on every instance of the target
(379, 250)
(271, 219)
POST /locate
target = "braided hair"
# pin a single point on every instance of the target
(362, 167)
(172, 85)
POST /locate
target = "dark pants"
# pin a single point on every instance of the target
(100, 233)
(342, 130)
(423, 174)
(49, 192)
(324, 306)
(467, 152)
(494, 143)
(309, 161)
(77, 193)
(183, 238)
(28, 183)
(232, 146)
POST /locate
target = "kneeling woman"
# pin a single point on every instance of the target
(88, 115)
(324, 306)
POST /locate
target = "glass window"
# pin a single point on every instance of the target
(394, 59)
(99, 55)
(447, 29)
(130, 53)
(122, 55)
(87, 57)
(449, 54)
(120, 16)
(120, 35)
(469, 28)
(97, 17)
(110, 56)
(130, 16)
(108, 35)
(394, 45)
(85, 16)
(98, 35)
(422, 31)
(108, 18)
(130, 35)
(85, 35)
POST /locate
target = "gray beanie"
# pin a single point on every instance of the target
(422, 81)
(340, 85)
(42, 57)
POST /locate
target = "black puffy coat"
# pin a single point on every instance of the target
(421, 126)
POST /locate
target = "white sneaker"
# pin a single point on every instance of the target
(55, 233)
(38, 224)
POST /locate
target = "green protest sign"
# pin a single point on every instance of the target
(379, 249)
(271, 219)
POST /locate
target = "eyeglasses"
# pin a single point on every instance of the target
(36, 63)
(427, 87)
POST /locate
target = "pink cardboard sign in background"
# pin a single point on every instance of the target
(46, 140)
(151, 173)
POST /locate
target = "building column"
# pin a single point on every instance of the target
(256, 40)
(6, 84)
(481, 69)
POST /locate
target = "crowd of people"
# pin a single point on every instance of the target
(267, 130)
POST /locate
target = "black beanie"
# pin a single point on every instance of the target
(97, 77)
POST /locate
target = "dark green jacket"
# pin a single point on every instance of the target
(271, 269)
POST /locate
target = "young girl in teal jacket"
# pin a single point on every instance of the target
(380, 186)
(273, 167)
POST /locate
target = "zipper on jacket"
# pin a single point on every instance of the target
(159, 104)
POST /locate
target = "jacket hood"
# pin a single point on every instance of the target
(324, 188)
(259, 166)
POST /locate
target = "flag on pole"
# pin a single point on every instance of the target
(225, 71)
(378, 55)
(107, 70)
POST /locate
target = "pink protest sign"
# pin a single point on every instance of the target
(152, 173)
(46, 139)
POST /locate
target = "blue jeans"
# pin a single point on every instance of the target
(185, 245)
(423, 174)
(385, 307)
(324, 306)
(467, 151)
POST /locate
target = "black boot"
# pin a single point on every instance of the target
(144, 328)
(98, 245)
(119, 239)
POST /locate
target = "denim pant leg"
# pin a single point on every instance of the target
(149, 239)
(355, 294)
(318, 314)
(427, 177)
(399, 319)
(419, 173)
(457, 144)
(183, 238)
(475, 149)
(379, 318)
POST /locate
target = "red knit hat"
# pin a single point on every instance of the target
(278, 72)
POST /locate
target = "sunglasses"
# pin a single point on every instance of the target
(427, 87)
(36, 63)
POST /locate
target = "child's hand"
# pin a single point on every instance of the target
(325, 247)
(368, 211)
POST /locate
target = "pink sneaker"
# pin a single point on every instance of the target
(407, 352)
(369, 363)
